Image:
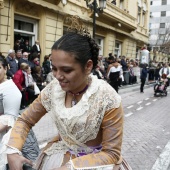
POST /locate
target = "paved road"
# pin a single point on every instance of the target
(146, 128)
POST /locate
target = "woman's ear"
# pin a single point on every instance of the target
(89, 66)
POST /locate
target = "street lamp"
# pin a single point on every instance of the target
(96, 9)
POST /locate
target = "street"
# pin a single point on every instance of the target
(146, 129)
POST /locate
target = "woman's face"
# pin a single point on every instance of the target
(28, 70)
(2, 73)
(70, 74)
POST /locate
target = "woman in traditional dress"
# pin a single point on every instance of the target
(86, 111)
(10, 99)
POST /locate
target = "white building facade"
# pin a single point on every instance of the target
(159, 23)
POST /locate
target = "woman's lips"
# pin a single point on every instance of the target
(63, 84)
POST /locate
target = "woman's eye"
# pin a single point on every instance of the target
(67, 71)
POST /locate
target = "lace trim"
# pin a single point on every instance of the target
(102, 167)
(81, 123)
(7, 120)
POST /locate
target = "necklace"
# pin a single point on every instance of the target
(74, 101)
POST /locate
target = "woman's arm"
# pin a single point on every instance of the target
(112, 132)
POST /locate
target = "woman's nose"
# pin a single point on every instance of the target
(58, 75)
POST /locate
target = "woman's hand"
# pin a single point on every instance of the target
(16, 161)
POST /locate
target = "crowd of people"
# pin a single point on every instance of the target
(118, 71)
(23, 67)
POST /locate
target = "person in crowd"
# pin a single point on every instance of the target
(87, 112)
(101, 65)
(12, 64)
(30, 86)
(24, 59)
(114, 75)
(152, 70)
(17, 46)
(98, 73)
(10, 99)
(46, 66)
(34, 62)
(18, 56)
(19, 80)
(132, 77)
(157, 69)
(49, 77)
(2, 56)
(164, 81)
(123, 63)
(38, 78)
(111, 60)
(165, 70)
(121, 78)
(36, 48)
(27, 47)
(143, 77)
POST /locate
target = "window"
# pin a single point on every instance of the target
(162, 25)
(163, 13)
(143, 18)
(161, 36)
(25, 29)
(118, 48)
(151, 3)
(99, 41)
(164, 2)
(139, 12)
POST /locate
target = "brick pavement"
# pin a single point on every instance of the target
(145, 133)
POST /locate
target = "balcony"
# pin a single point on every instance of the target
(117, 15)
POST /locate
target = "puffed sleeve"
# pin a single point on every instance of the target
(112, 132)
(24, 123)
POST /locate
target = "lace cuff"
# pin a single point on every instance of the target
(12, 150)
(70, 166)
(7, 120)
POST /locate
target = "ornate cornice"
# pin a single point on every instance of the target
(1, 4)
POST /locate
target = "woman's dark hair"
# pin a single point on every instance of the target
(46, 57)
(81, 46)
(3, 62)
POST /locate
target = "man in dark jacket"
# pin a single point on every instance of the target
(36, 48)
(12, 64)
(143, 77)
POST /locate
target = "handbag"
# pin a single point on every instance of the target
(31, 149)
(36, 89)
